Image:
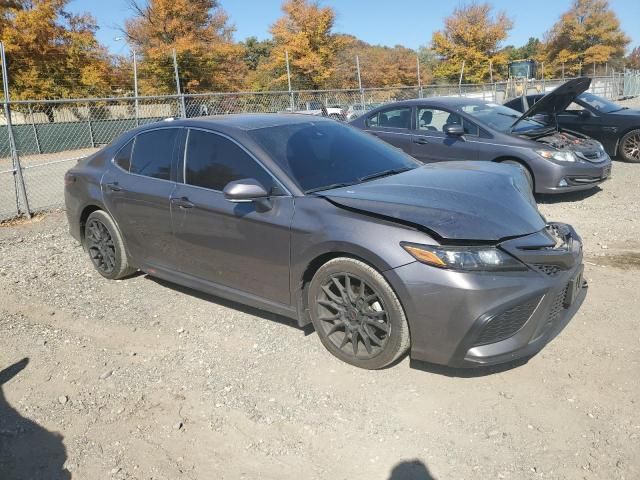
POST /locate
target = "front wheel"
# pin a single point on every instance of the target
(357, 315)
(630, 146)
(105, 246)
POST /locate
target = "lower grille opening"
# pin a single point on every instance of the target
(506, 324)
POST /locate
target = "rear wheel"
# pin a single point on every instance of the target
(630, 146)
(105, 246)
(357, 315)
(525, 170)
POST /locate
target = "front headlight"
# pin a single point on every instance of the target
(464, 258)
(560, 156)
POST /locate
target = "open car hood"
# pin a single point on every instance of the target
(557, 100)
(458, 201)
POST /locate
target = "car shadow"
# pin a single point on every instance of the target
(223, 302)
(27, 450)
(411, 470)
(547, 199)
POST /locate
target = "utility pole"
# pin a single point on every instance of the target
(460, 79)
(360, 83)
(135, 86)
(180, 96)
(291, 101)
(17, 168)
(419, 79)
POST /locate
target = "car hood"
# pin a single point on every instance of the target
(557, 100)
(458, 201)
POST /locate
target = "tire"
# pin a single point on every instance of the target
(105, 246)
(371, 313)
(526, 171)
(629, 148)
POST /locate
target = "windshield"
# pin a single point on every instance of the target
(324, 154)
(500, 118)
(599, 103)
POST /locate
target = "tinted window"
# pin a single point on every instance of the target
(319, 154)
(153, 153)
(213, 161)
(599, 103)
(123, 157)
(393, 118)
(434, 120)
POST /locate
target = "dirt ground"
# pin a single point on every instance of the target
(140, 379)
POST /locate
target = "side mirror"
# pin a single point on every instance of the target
(245, 190)
(584, 114)
(453, 130)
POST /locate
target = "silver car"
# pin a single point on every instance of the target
(553, 159)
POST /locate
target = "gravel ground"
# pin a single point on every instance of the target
(140, 379)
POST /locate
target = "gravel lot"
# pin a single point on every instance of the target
(139, 379)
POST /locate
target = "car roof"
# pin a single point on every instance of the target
(443, 101)
(239, 122)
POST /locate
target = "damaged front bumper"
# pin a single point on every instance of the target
(465, 319)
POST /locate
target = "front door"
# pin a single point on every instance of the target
(583, 120)
(137, 186)
(429, 142)
(243, 246)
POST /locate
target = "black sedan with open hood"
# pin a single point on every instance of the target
(615, 126)
(553, 159)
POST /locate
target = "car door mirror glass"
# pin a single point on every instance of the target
(453, 130)
(246, 190)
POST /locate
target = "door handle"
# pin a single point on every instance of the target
(114, 187)
(421, 141)
(183, 202)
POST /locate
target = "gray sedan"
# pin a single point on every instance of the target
(457, 128)
(314, 220)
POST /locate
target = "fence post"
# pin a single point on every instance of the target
(419, 79)
(490, 71)
(17, 168)
(460, 79)
(135, 87)
(360, 83)
(291, 99)
(93, 143)
(180, 95)
(35, 130)
(563, 71)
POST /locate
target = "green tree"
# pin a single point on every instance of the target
(201, 35)
(588, 33)
(472, 34)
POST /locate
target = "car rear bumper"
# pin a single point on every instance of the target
(572, 177)
(464, 319)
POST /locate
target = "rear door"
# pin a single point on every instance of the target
(393, 125)
(429, 143)
(237, 245)
(137, 186)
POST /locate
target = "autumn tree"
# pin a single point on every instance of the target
(52, 53)
(633, 60)
(473, 34)
(588, 33)
(201, 35)
(305, 32)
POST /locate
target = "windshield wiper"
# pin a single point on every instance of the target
(384, 173)
(329, 187)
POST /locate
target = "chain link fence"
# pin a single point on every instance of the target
(50, 136)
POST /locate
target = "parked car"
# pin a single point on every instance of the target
(314, 220)
(616, 127)
(354, 111)
(459, 128)
(320, 109)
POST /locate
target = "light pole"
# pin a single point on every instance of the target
(135, 79)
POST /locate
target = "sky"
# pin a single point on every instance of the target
(409, 23)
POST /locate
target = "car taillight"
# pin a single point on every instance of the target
(69, 178)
